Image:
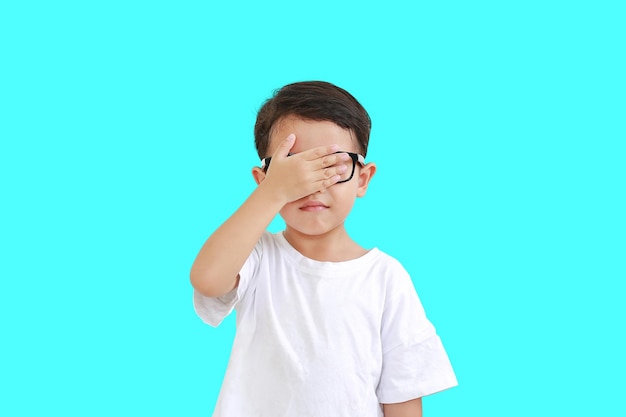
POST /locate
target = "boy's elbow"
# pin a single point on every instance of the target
(207, 285)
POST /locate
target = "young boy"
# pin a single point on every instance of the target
(324, 327)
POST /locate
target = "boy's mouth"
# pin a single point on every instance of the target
(313, 206)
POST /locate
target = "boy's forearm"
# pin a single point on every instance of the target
(217, 265)
(412, 408)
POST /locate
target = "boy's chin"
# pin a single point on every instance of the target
(313, 231)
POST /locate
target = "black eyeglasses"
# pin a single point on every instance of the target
(344, 177)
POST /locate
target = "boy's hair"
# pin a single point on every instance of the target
(312, 100)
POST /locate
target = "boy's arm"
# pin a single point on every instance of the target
(412, 408)
(215, 271)
(216, 268)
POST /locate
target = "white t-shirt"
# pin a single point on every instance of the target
(324, 338)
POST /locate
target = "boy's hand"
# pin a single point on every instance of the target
(305, 173)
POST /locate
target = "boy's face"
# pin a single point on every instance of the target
(326, 211)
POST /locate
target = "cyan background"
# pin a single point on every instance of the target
(126, 138)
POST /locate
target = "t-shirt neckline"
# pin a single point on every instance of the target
(325, 267)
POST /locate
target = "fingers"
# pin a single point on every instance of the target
(326, 155)
(332, 180)
(328, 169)
(335, 170)
(334, 159)
(285, 146)
(320, 152)
(308, 171)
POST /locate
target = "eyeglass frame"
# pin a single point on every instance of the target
(265, 163)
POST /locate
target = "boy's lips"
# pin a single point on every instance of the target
(313, 205)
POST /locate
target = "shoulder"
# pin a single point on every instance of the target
(396, 277)
(390, 261)
(389, 264)
(268, 237)
(272, 248)
(264, 250)
(268, 242)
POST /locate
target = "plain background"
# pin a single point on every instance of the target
(126, 139)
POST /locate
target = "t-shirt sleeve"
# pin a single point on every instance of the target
(213, 310)
(415, 363)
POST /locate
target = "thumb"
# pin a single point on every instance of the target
(284, 147)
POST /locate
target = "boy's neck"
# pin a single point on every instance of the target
(334, 246)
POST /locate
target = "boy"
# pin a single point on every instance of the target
(324, 327)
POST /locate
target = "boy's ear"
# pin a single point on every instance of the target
(365, 175)
(258, 174)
